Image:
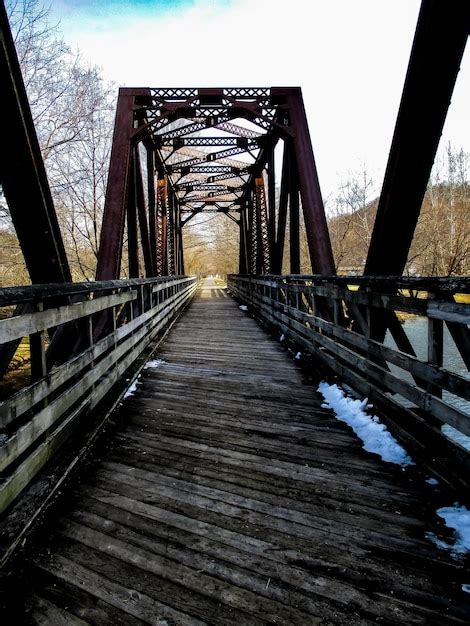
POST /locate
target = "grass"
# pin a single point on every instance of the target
(18, 374)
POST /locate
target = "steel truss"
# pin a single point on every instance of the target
(23, 175)
(180, 126)
(189, 137)
(195, 166)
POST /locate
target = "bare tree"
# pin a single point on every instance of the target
(211, 245)
(441, 245)
(351, 219)
(72, 112)
(60, 86)
(80, 186)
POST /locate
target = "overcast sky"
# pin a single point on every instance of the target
(349, 57)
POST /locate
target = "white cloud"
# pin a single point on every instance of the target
(350, 59)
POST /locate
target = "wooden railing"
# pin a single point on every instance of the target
(342, 321)
(84, 338)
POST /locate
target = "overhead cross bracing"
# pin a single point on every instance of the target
(195, 189)
(207, 107)
(212, 150)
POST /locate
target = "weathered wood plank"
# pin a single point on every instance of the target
(228, 499)
(107, 373)
(259, 558)
(120, 593)
(308, 339)
(19, 441)
(46, 613)
(17, 327)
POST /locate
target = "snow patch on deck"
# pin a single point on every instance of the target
(374, 435)
(153, 364)
(132, 389)
(456, 517)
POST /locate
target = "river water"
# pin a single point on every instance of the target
(417, 331)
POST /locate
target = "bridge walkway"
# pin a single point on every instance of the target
(228, 495)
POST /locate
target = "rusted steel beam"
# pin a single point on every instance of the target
(438, 46)
(271, 201)
(162, 212)
(253, 229)
(279, 113)
(171, 233)
(229, 142)
(23, 175)
(294, 222)
(243, 252)
(115, 207)
(179, 234)
(318, 238)
(152, 216)
(176, 238)
(142, 215)
(263, 263)
(283, 203)
(131, 213)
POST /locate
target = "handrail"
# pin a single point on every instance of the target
(446, 284)
(333, 319)
(32, 293)
(104, 332)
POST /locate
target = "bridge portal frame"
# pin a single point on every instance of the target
(163, 121)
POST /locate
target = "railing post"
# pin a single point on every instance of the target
(131, 307)
(336, 303)
(369, 316)
(435, 346)
(89, 325)
(38, 351)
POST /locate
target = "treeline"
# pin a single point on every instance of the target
(72, 108)
(441, 243)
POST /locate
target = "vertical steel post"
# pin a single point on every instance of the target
(318, 238)
(115, 206)
(263, 247)
(241, 246)
(244, 237)
(162, 201)
(142, 215)
(178, 239)
(437, 51)
(294, 223)
(152, 208)
(171, 231)
(181, 252)
(253, 232)
(283, 202)
(271, 202)
(132, 239)
(23, 175)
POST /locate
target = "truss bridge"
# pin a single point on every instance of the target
(267, 447)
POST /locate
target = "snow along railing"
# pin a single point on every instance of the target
(83, 338)
(343, 321)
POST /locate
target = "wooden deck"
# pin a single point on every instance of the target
(229, 496)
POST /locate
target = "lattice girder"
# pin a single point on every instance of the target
(194, 135)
